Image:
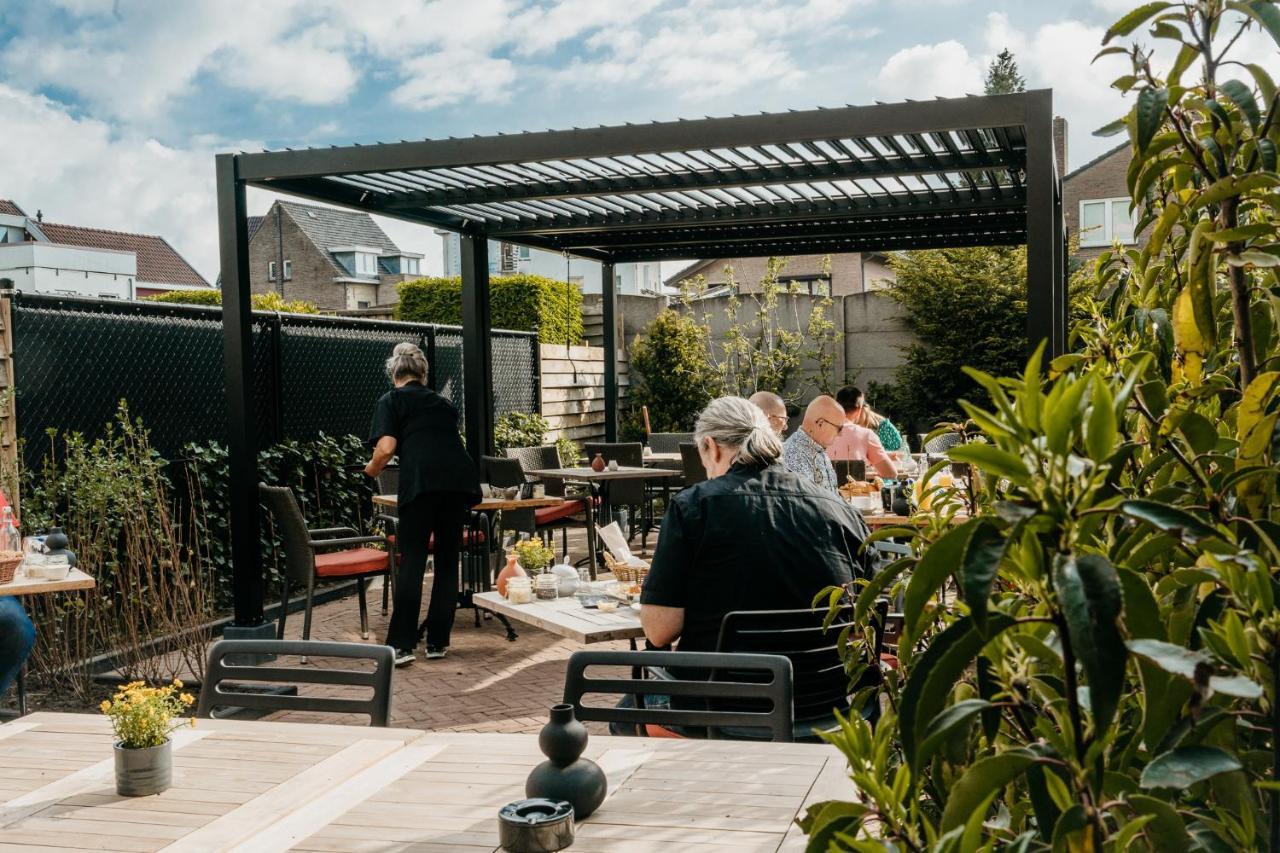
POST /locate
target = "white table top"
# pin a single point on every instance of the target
(23, 585)
(566, 618)
(587, 475)
(262, 786)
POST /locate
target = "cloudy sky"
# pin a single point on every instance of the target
(112, 111)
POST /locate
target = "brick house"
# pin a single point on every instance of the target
(337, 259)
(849, 273)
(1095, 204)
(46, 257)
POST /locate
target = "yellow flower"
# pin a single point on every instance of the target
(105, 706)
(187, 698)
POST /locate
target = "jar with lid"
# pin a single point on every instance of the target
(520, 590)
(546, 586)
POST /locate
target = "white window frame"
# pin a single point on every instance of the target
(1101, 238)
(372, 263)
(271, 270)
(288, 269)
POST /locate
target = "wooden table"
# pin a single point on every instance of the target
(74, 580)
(262, 786)
(487, 504)
(565, 617)
(674, 461)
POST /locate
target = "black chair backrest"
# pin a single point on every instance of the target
(389, 484)
(668, 442)
(694, 470)
(846, 468)
(820, 682)
(502, 473)
(539, 458)
(299, 558)
(940, 444)
(219, 670)
(629, 454)
(770, 684)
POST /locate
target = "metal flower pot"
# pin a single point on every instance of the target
(142, 772)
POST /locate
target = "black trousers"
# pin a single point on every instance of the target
(437, 516)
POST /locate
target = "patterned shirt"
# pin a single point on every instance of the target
(889, 435)
(806, 458)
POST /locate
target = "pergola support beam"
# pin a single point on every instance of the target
(477, 346)
(609, 306)
(1046, 295)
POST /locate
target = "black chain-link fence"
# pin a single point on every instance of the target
(76, 359)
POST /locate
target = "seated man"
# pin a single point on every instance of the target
(774, 409)
(804, 453)
(753, 536)
(17, 636)
(857, 442)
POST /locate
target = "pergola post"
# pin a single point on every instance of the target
(1046, 295)
(477, 346)
(609, 303)
(242, 423)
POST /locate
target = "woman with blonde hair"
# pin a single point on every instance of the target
(859, 412)
(438, 484)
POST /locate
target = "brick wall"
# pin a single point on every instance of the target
(1103, 178)
(313, 272)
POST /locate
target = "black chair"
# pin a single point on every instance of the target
(634, 494)
(668, 442)
(312, 554)
(573, 513)
(820, 681)
(389, 517)
(846, 468)
(694, 470)
(765, 697)
(220, 670)
(940, 444)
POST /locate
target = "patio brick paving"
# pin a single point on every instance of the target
(486, 684)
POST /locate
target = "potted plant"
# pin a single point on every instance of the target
(143, 718)
(534, 556)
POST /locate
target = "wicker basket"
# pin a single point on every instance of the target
(625, 573)
(9, 567)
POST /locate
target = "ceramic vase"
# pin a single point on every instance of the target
(142, 772)
(566, 775)
(510, 570)
(597, 464)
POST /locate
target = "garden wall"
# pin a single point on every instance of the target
(573, 390)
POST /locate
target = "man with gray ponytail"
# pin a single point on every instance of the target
(438, 484)
(753, 536)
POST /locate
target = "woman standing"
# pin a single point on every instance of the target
(438, 484)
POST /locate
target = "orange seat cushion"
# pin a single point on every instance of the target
(355, 561)
(550, 514)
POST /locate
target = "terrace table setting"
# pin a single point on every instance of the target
(26, 585)
(268, 786)
(566, 617)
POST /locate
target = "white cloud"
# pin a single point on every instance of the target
(945, 69)
(448, 77)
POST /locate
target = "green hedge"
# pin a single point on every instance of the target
(520, 302)
(261, 301)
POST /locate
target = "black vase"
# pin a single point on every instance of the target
(55, 544)
(565, 775)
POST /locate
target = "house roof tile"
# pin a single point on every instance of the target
(158, 262)
(11, 208)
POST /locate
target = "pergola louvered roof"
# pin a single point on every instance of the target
(950, 172)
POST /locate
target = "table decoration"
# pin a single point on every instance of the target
(566, 775)
(142, 718)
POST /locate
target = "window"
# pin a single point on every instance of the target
(410, 266)
(1106, 221)
(522, 253)
(362, 304)
(366, 264)
(288, 269)
(271, 270)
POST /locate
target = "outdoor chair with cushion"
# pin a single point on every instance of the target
(668, 442)
(572, 513)
(319, 554)
(694, 471)
(505, 473)
(634, 494)
(233, 661)
(746, 693)
(820, 682)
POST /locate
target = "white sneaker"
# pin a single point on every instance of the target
(435, 652)
(404, 657)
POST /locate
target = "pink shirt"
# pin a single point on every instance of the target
(858, 442)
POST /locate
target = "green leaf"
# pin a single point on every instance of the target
(992, 460)
(980, 781)
(1150, 114)
(981, 560)
(823, 820)
(1100, 432)
(1091, 601)
(1183, 767)
(941, 726)
(1254, 258)
(1242, 96)
(936, 564)
(1187, 54)
(1112, 128)
(1141, 613)
(1133, 20)
(1069, 831)
(1166, 831)
(1265, 13)
(1267, 152)
(1063, 416)
(1195, 665)
(934, 675)
(868, 594)
(1170, 519)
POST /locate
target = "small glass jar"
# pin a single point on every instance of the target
(519, 590)
(546, 586)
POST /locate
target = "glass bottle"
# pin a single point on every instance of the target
(9, 538)
(584, 584)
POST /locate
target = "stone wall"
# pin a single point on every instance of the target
(312, 278)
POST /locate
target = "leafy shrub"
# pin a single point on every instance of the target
(671, 373)
(260, 301)
(1112, 677)
(519, 302)
(519, 429)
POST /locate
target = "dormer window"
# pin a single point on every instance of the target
(366, 263)
(409, 266)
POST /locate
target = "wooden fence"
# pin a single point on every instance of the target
(573, 390)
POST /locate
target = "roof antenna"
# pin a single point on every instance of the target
(39, 216)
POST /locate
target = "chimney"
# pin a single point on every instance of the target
(39, 216)
(1060, 144)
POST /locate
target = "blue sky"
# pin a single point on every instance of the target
(113, 110)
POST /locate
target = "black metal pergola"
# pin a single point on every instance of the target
(976, 171)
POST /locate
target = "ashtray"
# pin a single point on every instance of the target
(535, 826)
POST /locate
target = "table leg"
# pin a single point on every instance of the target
(22, 690)
(591, 534)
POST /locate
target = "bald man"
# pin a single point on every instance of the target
(774, 409)
(804, 453)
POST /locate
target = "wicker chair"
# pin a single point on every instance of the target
(668, 442)
(505, 473)
(327, 553)
(629, 493)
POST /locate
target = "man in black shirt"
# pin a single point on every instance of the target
(751, 537)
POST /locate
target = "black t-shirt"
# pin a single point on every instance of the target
(425, 427)
(751, 539)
